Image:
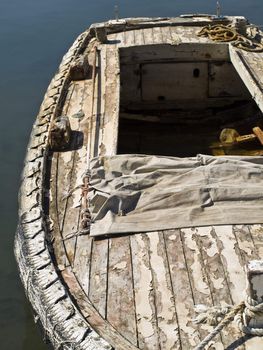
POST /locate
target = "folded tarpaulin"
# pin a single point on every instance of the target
(140, 193)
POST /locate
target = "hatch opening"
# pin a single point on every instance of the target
(176, 101)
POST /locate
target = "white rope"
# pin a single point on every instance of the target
(241, 313)
(229, 317)
(253, 309)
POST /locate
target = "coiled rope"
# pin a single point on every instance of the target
(241, 313)
(226, 33)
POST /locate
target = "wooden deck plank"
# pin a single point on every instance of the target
(166, 35)
(246, 244)
(182, 290)
(98, 323)
(157, 35)
(102, 80)
(120, 297)
(144, 294)
(139, 37)
(95, 105)
(82, 261)
(207, 243)
(234, 272)
(175, 38)
(129, 38)
(197, 276)
(99, 275)
(256, 232)
(83, 243)
(148, 36)
(65, 160)
(86, 108)
(119, 39)
(76, 162)
(220, 291)
(168, 332)
(232, 261)
(112, 93)
(98, 104)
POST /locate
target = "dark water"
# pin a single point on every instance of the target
(34, 35)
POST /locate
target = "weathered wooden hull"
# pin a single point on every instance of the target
(62, 322)
(76, 283)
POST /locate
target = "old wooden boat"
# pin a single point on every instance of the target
(141, 197)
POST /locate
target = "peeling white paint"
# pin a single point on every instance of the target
(196, 267)
(164, 302)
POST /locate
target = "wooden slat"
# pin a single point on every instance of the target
(157, 35)
(86, 108)
(98, 101)
(75, 162)
(197, 276)
(148, 36)
(234, 272)
(255, 243)
(166, 35)
(112, 92)
(139, 37)
(97, 322)
(82, 261)
(207, 243)
(99, 275)
(164, 300)
(247, 248)
(83, 243)
(95, 105)
(182, 290)
(129, 38)
(231, 260)
(175, 38)
(119, 39)
(144, 294)
(256, 232)
(64, 165)
(120, 296)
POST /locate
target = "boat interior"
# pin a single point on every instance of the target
(138, 291)
(176, 100)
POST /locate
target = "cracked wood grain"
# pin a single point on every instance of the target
(98, 276)
(167, 323)
(182, 290)
(120, 296)
(144, 294)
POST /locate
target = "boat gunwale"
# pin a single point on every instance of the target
(63, 324)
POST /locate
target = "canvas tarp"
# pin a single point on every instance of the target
(138, 193)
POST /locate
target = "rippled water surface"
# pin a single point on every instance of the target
(34, 35)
